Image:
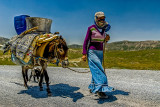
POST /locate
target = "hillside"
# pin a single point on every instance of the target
(133, 45)
(128, 45)
(119, 45)
(75, 46)
(3, 40)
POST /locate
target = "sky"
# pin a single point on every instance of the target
(133, 20)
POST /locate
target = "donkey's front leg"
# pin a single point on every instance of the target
(24, 70)
(44, 66)
(47, 82)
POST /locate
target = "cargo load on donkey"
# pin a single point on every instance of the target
(36, 46)
(20, 23)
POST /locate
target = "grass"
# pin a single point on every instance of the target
(142, 60)
(5, 59)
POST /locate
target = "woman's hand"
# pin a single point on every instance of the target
(84, 57)
(107, 38)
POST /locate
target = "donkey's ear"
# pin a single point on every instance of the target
(61, 37)
(56, 32)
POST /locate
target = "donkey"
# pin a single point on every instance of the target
(55, 49)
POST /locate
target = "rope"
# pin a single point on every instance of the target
(89, 71)
(27, 31)
(75, 70)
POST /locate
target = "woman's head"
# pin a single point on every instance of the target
(100, 20)
(99, 14)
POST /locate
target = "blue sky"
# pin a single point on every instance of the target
(133, 20)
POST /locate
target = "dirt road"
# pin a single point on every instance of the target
(133, 88)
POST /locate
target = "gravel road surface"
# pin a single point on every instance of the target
(133, 88)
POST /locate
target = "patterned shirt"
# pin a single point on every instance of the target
(93, 45)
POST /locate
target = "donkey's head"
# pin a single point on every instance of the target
(59, 49)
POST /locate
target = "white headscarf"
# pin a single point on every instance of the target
(99, 24)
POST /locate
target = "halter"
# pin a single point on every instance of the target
(55, 44)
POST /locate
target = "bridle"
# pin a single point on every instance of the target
(55, 49)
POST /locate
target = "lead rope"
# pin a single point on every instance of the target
(89, 71)
(55, 51)
(75, 70)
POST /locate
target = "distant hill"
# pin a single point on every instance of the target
(133, 45)
(3, 40)
(128, 45)
(75, 46)
(119, 45)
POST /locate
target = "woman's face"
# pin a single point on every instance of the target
(101, 19)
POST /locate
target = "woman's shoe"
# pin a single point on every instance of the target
(90, 91)
(102, 95)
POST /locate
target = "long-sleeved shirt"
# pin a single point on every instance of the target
(92, 45)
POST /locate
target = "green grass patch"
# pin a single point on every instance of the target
(74, 53)
(142, 60)
(5, 59)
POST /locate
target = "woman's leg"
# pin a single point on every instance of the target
(98, 76)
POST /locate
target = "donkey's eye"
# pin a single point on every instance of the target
(60, 50)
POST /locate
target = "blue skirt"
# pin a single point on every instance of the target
(99, 82)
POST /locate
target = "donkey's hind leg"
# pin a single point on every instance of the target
(41, 80)
(26, 73)
(25, 77)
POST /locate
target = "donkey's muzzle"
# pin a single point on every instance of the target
(65, 63)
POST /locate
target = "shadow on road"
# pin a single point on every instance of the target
(65, 90)
(112, 97)
(118, 92)
(18, 84)
(35, 92)
(58, 90)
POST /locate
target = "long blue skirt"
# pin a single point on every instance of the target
(99, 82)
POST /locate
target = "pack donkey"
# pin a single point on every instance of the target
(55, 49)
(45, 48)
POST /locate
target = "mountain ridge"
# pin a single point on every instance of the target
(3, 40)
(117, 45)
(128, 45)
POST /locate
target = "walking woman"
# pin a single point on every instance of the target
(93, 51)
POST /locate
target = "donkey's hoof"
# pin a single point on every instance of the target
(26, 86)
(49, 94)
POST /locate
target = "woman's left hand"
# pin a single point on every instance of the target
(107, 38)
(84, 57)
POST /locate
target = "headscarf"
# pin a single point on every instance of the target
(100, 24)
